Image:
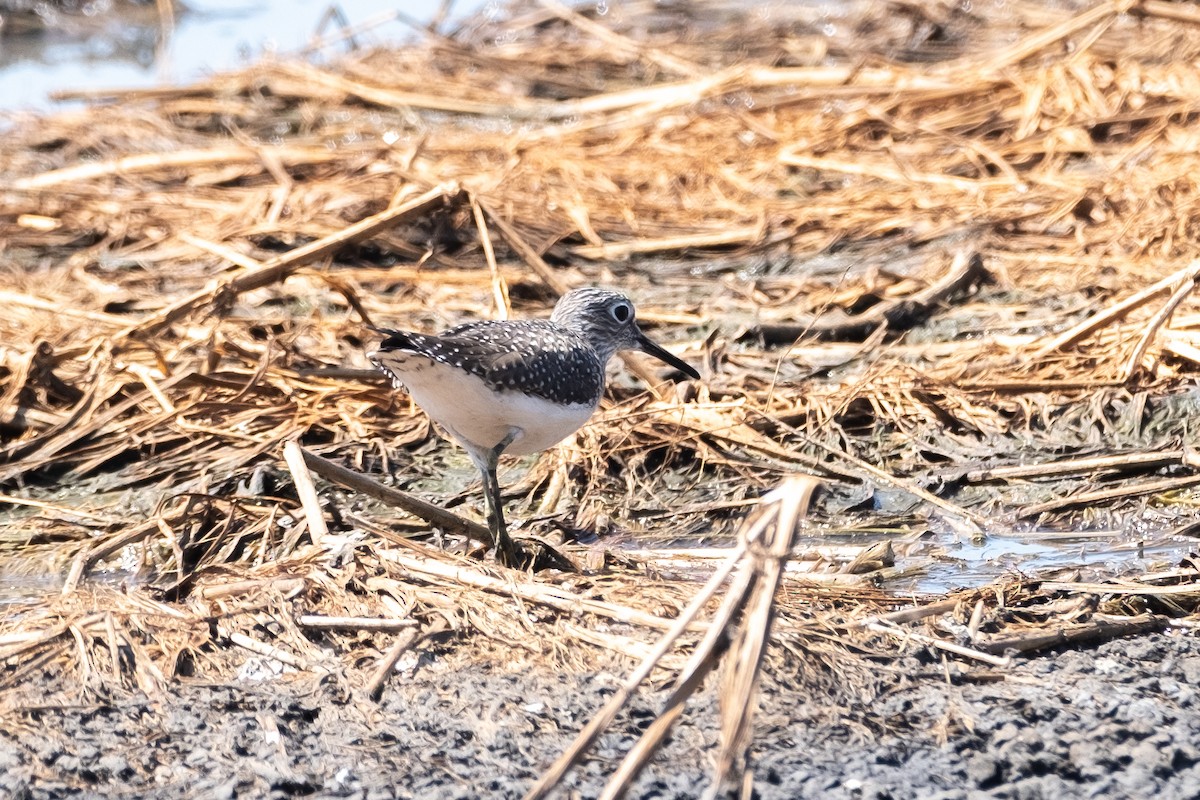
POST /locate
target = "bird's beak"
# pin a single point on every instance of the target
(647, 346)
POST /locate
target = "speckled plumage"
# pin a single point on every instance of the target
(517, 386)
(534, 357)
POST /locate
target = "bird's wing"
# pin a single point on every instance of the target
(529, 357)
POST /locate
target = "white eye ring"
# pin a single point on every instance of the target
(622, 312)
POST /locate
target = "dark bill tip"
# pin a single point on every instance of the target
(650, 347)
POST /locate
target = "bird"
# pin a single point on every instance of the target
(516, 386)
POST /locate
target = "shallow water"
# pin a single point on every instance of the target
(969, 565)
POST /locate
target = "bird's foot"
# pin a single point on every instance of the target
(542, 555)
(531, 553)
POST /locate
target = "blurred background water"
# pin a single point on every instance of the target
(48, 47)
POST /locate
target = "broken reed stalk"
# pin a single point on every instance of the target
(405, 642)
(1092, 631)
(544, 271)
(302, 479)
(743, 665)
(967, 521)
(781, 507)
(905, 634)
(435, 515)
(603, 718)
(760, 556)
(1073, 466)
(437, 570)
(382, 624)
(1117, 311)
(280, 267)
(1117, 492)
(265, 650)
(1186, 285)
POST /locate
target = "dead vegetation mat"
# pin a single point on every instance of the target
(941, 259)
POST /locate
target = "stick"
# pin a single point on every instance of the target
(447, 521)
(1073, 465)
(1186, 286)
(294, 456)
(279, 268)
(932, 641)
(1115, 311)
(402, 645)
(1128, 490)
(354, 623)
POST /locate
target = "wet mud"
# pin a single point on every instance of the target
(1115, 721)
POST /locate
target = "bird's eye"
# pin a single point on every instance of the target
(622, 312)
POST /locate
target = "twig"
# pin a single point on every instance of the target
(1116, 311)
(402, 645)
(383, 624)
(447, 521)
(1123, 491)
(1070, 466)
(277, 269)
(933, 641)
(1186, 286)
(293, 454)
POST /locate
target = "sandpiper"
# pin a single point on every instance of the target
(517, 386)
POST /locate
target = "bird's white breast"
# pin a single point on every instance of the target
(477, 415)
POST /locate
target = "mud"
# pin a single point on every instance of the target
(1116, 721)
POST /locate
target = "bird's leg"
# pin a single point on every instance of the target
(506, 550)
